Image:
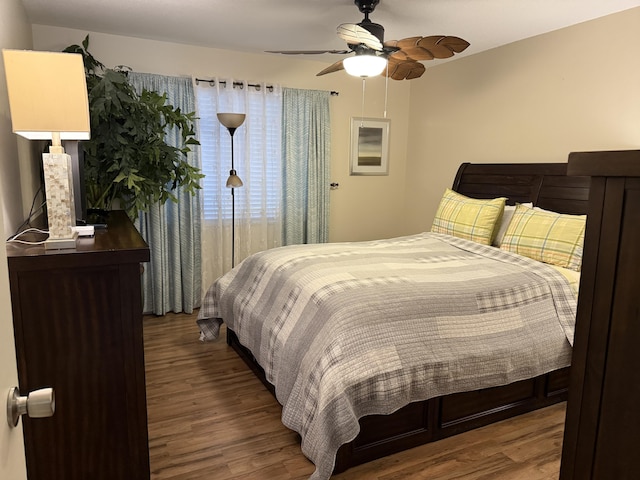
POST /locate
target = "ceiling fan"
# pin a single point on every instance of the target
(400, 57)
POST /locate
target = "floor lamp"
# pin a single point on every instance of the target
(232, 121)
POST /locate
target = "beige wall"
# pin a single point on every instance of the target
(19, 162)
(536, 100)
(362, 207)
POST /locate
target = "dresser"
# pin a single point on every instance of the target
(78, 328)
(602, 433)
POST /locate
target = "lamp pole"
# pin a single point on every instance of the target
(232, 173)
(232, 121)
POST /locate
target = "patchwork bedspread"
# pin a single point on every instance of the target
(345, 330)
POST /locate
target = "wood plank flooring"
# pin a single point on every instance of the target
(211, 419)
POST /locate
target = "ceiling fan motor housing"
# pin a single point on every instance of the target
(374, 28)
(366, 6)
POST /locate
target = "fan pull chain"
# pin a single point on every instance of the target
(362, 111)
(386, 89)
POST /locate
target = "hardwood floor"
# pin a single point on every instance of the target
(211, 419)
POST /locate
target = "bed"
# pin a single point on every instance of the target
(374, 382)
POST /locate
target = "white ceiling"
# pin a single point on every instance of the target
(258, 25)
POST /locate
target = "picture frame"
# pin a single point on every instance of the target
(369, 146)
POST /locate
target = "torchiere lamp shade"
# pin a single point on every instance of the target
(231, 120)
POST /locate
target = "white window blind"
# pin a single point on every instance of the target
(257, 150)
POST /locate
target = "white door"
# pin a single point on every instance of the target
(12, 462)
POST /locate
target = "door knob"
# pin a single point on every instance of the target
(37, 404)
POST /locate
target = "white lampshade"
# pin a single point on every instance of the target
(364, 65)
(47, 94)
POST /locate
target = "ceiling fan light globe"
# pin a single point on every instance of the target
(364, 65)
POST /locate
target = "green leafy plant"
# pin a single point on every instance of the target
(127, 158)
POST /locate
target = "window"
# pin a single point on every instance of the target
(257, 150)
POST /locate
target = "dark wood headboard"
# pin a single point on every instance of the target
(545, 184)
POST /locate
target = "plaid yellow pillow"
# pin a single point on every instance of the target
(468, 218)
(546, 236)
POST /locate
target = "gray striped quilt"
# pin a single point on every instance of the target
(344, 330)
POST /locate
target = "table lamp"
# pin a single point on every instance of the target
(48, 101)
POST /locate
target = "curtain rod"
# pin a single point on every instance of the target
(212, 82)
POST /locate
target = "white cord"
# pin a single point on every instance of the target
(14, 239)
(25, 242)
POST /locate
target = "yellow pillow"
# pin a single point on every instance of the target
(546, 236)
(468, 218)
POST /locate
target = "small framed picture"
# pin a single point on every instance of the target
(369, 146)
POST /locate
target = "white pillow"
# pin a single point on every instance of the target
(507, 214)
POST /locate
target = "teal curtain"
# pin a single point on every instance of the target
(172, 280)
(306, 144)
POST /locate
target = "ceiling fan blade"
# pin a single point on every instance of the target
(404, 69)
(437, 43)
(407, 49)
(336, 67)
(427, 48)
(308, 52)
(355, 34)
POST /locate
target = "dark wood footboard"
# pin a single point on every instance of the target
(431, 420)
